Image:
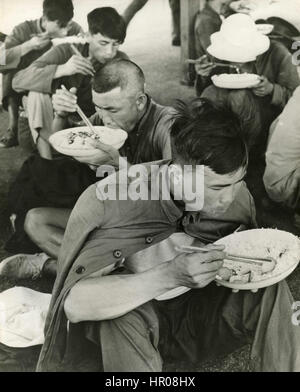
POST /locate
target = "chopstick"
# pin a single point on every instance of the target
(82, 115)
(217, 64)
(232, 257)
(75, 50)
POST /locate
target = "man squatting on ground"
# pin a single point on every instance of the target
(27, 42)
(103, 318)
(107, 31)
(121, 102)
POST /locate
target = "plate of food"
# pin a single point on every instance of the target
(272, 254)
(236, 81)
(265, 28)
(80, 141)
(69, 40)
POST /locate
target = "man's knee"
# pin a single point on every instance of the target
(140, 324)
(34, 221)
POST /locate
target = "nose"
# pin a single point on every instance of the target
(107, 121)
(109, 50)
(225, 200)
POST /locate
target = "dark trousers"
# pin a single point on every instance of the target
(175, 10)
(136, 5)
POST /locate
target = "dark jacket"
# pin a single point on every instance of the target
(207, 22)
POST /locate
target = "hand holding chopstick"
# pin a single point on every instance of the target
(82, 115)
(241, 259)
(77, 64)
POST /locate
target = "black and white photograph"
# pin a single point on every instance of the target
(150, 189)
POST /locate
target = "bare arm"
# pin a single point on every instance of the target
(40, 74)
(132, 9)
(18, 44)
(109, 297)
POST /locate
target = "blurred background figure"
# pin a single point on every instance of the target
(136, 5)
(207, 22)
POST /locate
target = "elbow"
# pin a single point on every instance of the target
(17, 84)
(72, 308)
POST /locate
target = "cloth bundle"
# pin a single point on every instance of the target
(22, 317)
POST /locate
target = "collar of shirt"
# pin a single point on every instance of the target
(142, 123)
(157, 176)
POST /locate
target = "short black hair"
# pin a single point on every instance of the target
(60, 10)
(108, 22)
(118, 73)
(204, 134)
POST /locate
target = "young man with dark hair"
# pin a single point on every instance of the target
(27, 42)
(120, 319)
(107, 31)
(121, 102)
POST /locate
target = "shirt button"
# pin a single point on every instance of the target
(185, 221)
(117, 254)
(149, 240)
(80, 270)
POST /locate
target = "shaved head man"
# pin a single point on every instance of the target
(119, 95)
(120, 100)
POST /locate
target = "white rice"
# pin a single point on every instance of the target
(283, 247)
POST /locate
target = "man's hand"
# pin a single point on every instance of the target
(197, 270)
(64, 101)
(295, 183)
(106, 155)
(76, 65)
(203, 66)
(37, 42)
(264, 88)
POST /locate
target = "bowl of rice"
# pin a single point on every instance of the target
(280, 246)
(236, 81)
(80, 141)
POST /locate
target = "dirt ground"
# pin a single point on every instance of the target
(148, 44)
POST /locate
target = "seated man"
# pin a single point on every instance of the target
(120, 99)
(282, 175)
(250, 52)
(104, 318)
(107, 31)
(27, 42)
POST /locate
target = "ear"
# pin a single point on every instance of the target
(141, 102)
(88, 36)
(176, 172)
